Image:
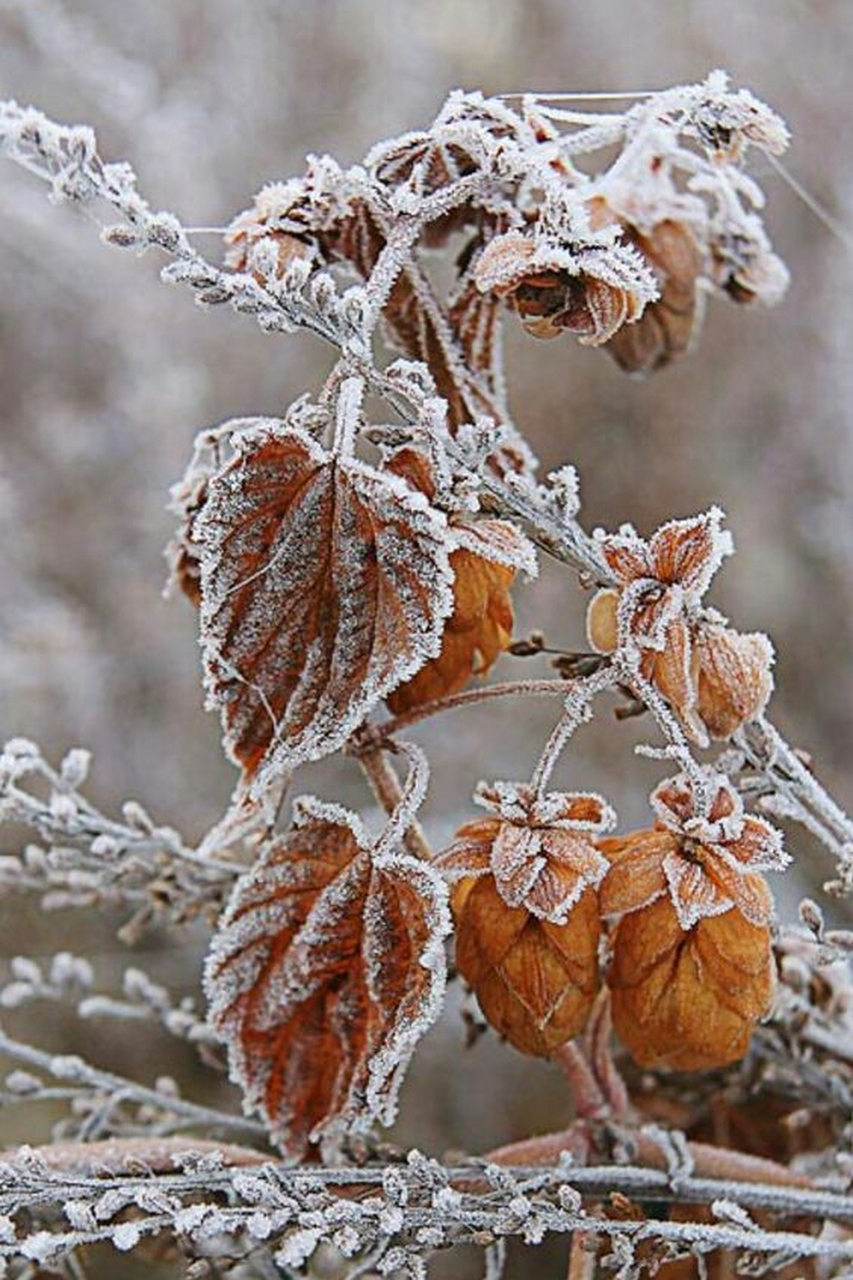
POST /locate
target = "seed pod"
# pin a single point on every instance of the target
(535, 981)
(735, 679)
(689, 999)
(480, 627)
(716, 679)
(747, 270)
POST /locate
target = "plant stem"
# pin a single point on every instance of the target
(470, 697)
(385, 786)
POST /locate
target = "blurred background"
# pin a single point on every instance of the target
(106, 375)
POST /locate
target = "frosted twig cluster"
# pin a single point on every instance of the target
(384, 1218)
(86, 859)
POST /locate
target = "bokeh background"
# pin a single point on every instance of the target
(106, 374)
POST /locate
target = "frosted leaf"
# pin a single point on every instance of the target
(497, 541)
(476, 320)
(326, 970)
(324, 585)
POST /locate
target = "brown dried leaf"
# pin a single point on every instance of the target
(327, 968)
(324, 585)
(475, 318)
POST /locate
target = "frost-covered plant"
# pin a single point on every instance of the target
(343, 561)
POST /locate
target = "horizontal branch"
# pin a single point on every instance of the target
(409, 1204)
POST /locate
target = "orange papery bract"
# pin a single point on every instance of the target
(590, 301)
(734, 678)
(479, 629)
(688, 999)
(535, 981)
(475, 635)
(716, 679)
(669, 325)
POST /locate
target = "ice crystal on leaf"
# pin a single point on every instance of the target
(326, 970)
(705, 853)
(324, 584)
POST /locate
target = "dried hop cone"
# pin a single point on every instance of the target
(484, 565)
(589, 289)
(692, 968)
(747, 270)
(527, 915)
(716, 679)
(670, 323)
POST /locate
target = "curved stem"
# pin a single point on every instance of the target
(576, 712)
(72, 1068)
(469, 698)
(385, 786)
(590, 1103)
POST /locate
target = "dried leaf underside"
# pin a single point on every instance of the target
(327, 968)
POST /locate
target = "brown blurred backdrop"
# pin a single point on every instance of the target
(106, 374)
